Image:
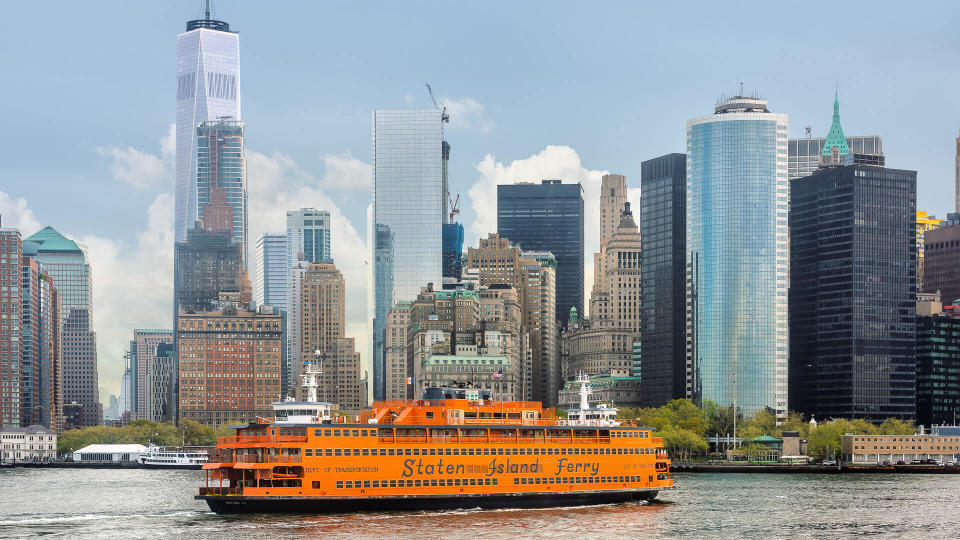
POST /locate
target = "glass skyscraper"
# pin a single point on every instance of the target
(663, 224)
(270, 282)
(409, 208)
(737, 204)
(221, 165)
(208, 88)
(853, 292)
(548, 217)
(65, 261)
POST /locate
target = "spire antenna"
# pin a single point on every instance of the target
(206, 9)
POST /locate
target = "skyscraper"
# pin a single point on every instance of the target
(11, 251)
(853, 292)
(65, 261)
(804, 154)
(270, 283)
(941, 266)
(956, 178)
(208, 88)
(925, 222)
(148, 403)
(308, 242)
(206, 264)
(409, 207)
(323, 326)
(737, 198)
(663, 224)
(222, 179)
(548, 217)
(452, 251)
(613, 195)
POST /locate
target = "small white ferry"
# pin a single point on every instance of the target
(165, 458)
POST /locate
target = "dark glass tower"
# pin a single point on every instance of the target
(663, 227)
(452, 250)
(548, 217)
(938, 370)
(853, 292)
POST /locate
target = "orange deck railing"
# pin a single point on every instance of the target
(264, 439)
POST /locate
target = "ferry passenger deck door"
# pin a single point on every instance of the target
(529, 417)
(455, 416)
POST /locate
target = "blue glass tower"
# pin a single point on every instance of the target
(737, 246)
(452, 250)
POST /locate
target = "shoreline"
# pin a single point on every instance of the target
(782, 468)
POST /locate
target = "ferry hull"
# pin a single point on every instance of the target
(234, 504)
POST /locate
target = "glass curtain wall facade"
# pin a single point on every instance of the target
(221, 165)
(804, 154)
(737, 199)
(663, 225)
(938, 370)
(853, 293)
(548, 217)
(270, 282)
(408, 211)
(65, 262)
(208, 88)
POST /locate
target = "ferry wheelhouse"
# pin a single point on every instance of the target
(454, 448)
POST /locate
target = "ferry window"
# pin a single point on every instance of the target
(336, 433)
(366, 483)
(356, 451)
(486, 481)
(496, 482)
(622, 479)
(456, 451)
(486, 451)
(316, 484)
(356, 432)
(433, 483)
(473, 481)
(340, 484)
(516, 481)
(499, 451)
(393, 483)
(326, 433)
(308, 452)
(650, 478)
(576, 451)
(514, 451)
(328, 452)
(373, 433)
(409, 483)
(523, 480)
(390, 452)
(376, 483)
(407, 452)
(383, 451)
(416, 451)
(429, 414)
(349, 483)
(363, 432)
(448, 451)
(470, 451)
(456, 481)
(336, 452)
(416, 483)
(366, 451)
(316, 432)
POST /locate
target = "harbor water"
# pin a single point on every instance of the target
(137, 503)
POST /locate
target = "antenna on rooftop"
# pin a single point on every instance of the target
(206, 9)
(809, 131)
(741, 89)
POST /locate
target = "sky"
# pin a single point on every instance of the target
(535, 90)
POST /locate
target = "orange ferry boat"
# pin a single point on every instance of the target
(452, 449)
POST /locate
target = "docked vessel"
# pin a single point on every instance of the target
(164, 458)
(454, 448)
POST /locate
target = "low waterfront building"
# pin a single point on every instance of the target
(470, 367)
(27, 444)
(109, 453)
(941, 445)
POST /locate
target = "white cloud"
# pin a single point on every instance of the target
(347, 173)
(467, 113)
(553, 162)
(141, 169)
(17, 215)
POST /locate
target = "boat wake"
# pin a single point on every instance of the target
(27, 520)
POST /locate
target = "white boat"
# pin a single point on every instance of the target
(164, 458)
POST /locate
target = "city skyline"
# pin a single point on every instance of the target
(118, 159)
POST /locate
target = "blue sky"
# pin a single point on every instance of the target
(537, 89)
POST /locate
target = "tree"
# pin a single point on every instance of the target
(682, 443)
(894, 426)
(684, 414)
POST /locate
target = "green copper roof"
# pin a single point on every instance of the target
(50, 240)
(573, 314)
(835, 138)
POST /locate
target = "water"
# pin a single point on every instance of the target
(92, 503)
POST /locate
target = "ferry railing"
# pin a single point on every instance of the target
(220, 491)
(261, 439)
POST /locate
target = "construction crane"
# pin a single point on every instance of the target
(444, 117)
(454, 206)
